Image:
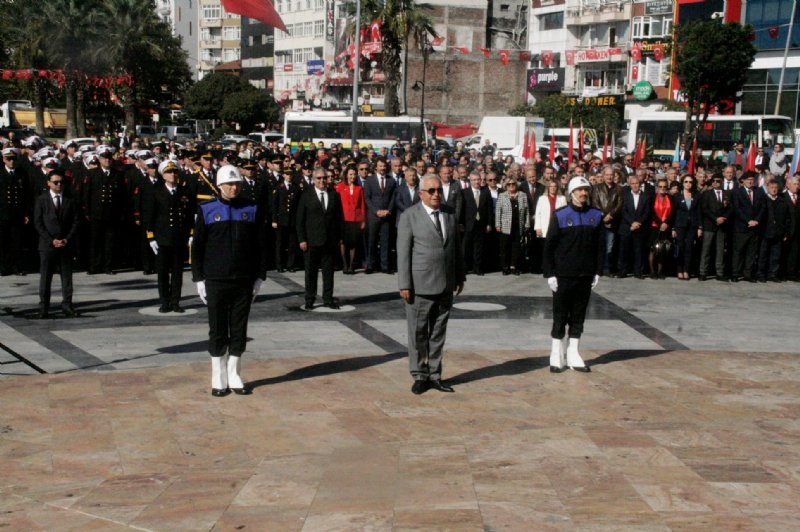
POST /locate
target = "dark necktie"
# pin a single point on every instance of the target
(438, 224)
(719, 196)
(58, 203)
(750, 195)
(381, 178)
(322, 199)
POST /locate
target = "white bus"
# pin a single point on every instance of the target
(721, 132)
(335, 126)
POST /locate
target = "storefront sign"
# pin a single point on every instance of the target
(593, 55)
(651, 48)
(642, 91)
(315, 66)
(595, 101)
(545, 79)
(288, 67)
(330, 23)
(658, 7)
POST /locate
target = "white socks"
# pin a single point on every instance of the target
(557, 354)
(574, 359)
(234, 365)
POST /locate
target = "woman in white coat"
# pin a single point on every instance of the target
(545, 207)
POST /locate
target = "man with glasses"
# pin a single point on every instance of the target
(55, 218)
(320, 222)
(715, 210)
(430, 269)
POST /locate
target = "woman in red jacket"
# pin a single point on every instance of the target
(354, 217)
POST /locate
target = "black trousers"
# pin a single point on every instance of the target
(686, 237)
(101, 245)
(509, 249)
(169, 264)
(632, 244)
(228, 311)
(791, 252)
(379, 231)
(769, 257)
(473, 247)
(569, 306)
(319, 257)
(10, 244)
(148, 258)
(745, 246)
(49, 261)
(285, 246)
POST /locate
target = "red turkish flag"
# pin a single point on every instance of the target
(261, 10)
(773, 32)
(463, 49)
(547, 58)
(486, 52)
(751, 157)
(505, 55)
(524, 55)
(569, 149)
(375, 31)
(552, 155)
(532, 146)
(636, 53)
(658, 52)
(437, 41)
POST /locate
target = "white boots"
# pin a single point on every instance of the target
(219, 376)
(558, 354)
(234, 380)
(574, 360)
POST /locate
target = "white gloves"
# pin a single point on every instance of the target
(154, 247)
(201, 291)
(191, 239)
(552, 282)
(595, 281)
(256, 288)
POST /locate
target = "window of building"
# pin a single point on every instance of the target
(249, 40)
(308, 28)
(230, 54)
(232, 16)
(190, 28)
(319, 4)
(232, 33)
(551, 21)
(205, 34)
(652, 27)
(504, 8)
(319, 28)
(656, 72)
(212, 11)
(279, 6)
(602, 76)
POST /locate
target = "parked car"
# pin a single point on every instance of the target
(233, 139)
(179, 133)
(265, 138)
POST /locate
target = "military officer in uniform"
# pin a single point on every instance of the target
(103, 198)
(284, 213)
(142, 179)
(168, 219)
(14, 211)
(203, 186)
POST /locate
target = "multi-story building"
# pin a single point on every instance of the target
(258, 48)
(181, 15)
(547, 41)
(220, 36)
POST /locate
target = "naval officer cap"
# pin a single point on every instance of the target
(167, 166)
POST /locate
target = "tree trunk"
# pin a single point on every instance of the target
(391, 71)
(71, 118)
(40, 102)
(80, 111)
(130, 111)
(405, 78)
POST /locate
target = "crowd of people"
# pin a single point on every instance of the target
(659, 219)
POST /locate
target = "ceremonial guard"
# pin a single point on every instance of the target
(168, 219)
(14, 211)
(573, 261)
(228, 267)
(142, 179)
(103, 198)
(202, 186)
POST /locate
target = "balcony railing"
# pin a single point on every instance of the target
(582, 12)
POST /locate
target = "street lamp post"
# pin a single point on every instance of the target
(420, 86)
(356, 74)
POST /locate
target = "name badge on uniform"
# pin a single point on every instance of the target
(217, 217)
(569, 222)
(245, 216)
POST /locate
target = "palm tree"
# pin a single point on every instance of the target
(72, 38)
(401, 19)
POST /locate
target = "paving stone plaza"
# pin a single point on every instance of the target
(689, 419)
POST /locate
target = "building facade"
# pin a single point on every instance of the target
(219, 39)
(258, 49)
(181, 15)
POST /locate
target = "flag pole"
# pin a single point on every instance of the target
(356, 74)
(785, 57)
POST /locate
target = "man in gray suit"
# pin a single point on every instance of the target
(430, 269)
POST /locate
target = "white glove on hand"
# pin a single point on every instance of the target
(201, 291)
(552, 282)
(595, 281)
(154, 247)
(191, 238)
(256, 288)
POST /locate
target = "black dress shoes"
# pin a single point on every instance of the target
(723, 278)
(701, 278)
(308, 306)
(109, 272)
(369, 271)
(333, 305)
(281, 270)
(69, 311)
(556, 369)
(163, 309)
(581, 369)
(42, 315)
(177, 308)
(419, 387)
(438, 385)
(244, 390)
(216, 392)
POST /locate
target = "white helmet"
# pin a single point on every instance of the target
(578, 182)
(228, 174)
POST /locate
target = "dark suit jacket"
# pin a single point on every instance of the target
(169, 218)
(687, 217)
(52, 226)
(473, 210)
(744, 210)
(284, 204)
(711, 209)
(377, 200)
(642, 213)
(777, 220)
(402, 200)
(317, 227)
(454, 200)
(794, 213)
(533, 195)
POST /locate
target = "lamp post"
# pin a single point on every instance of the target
(356, 73)
(785, 56)
(420, 86)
